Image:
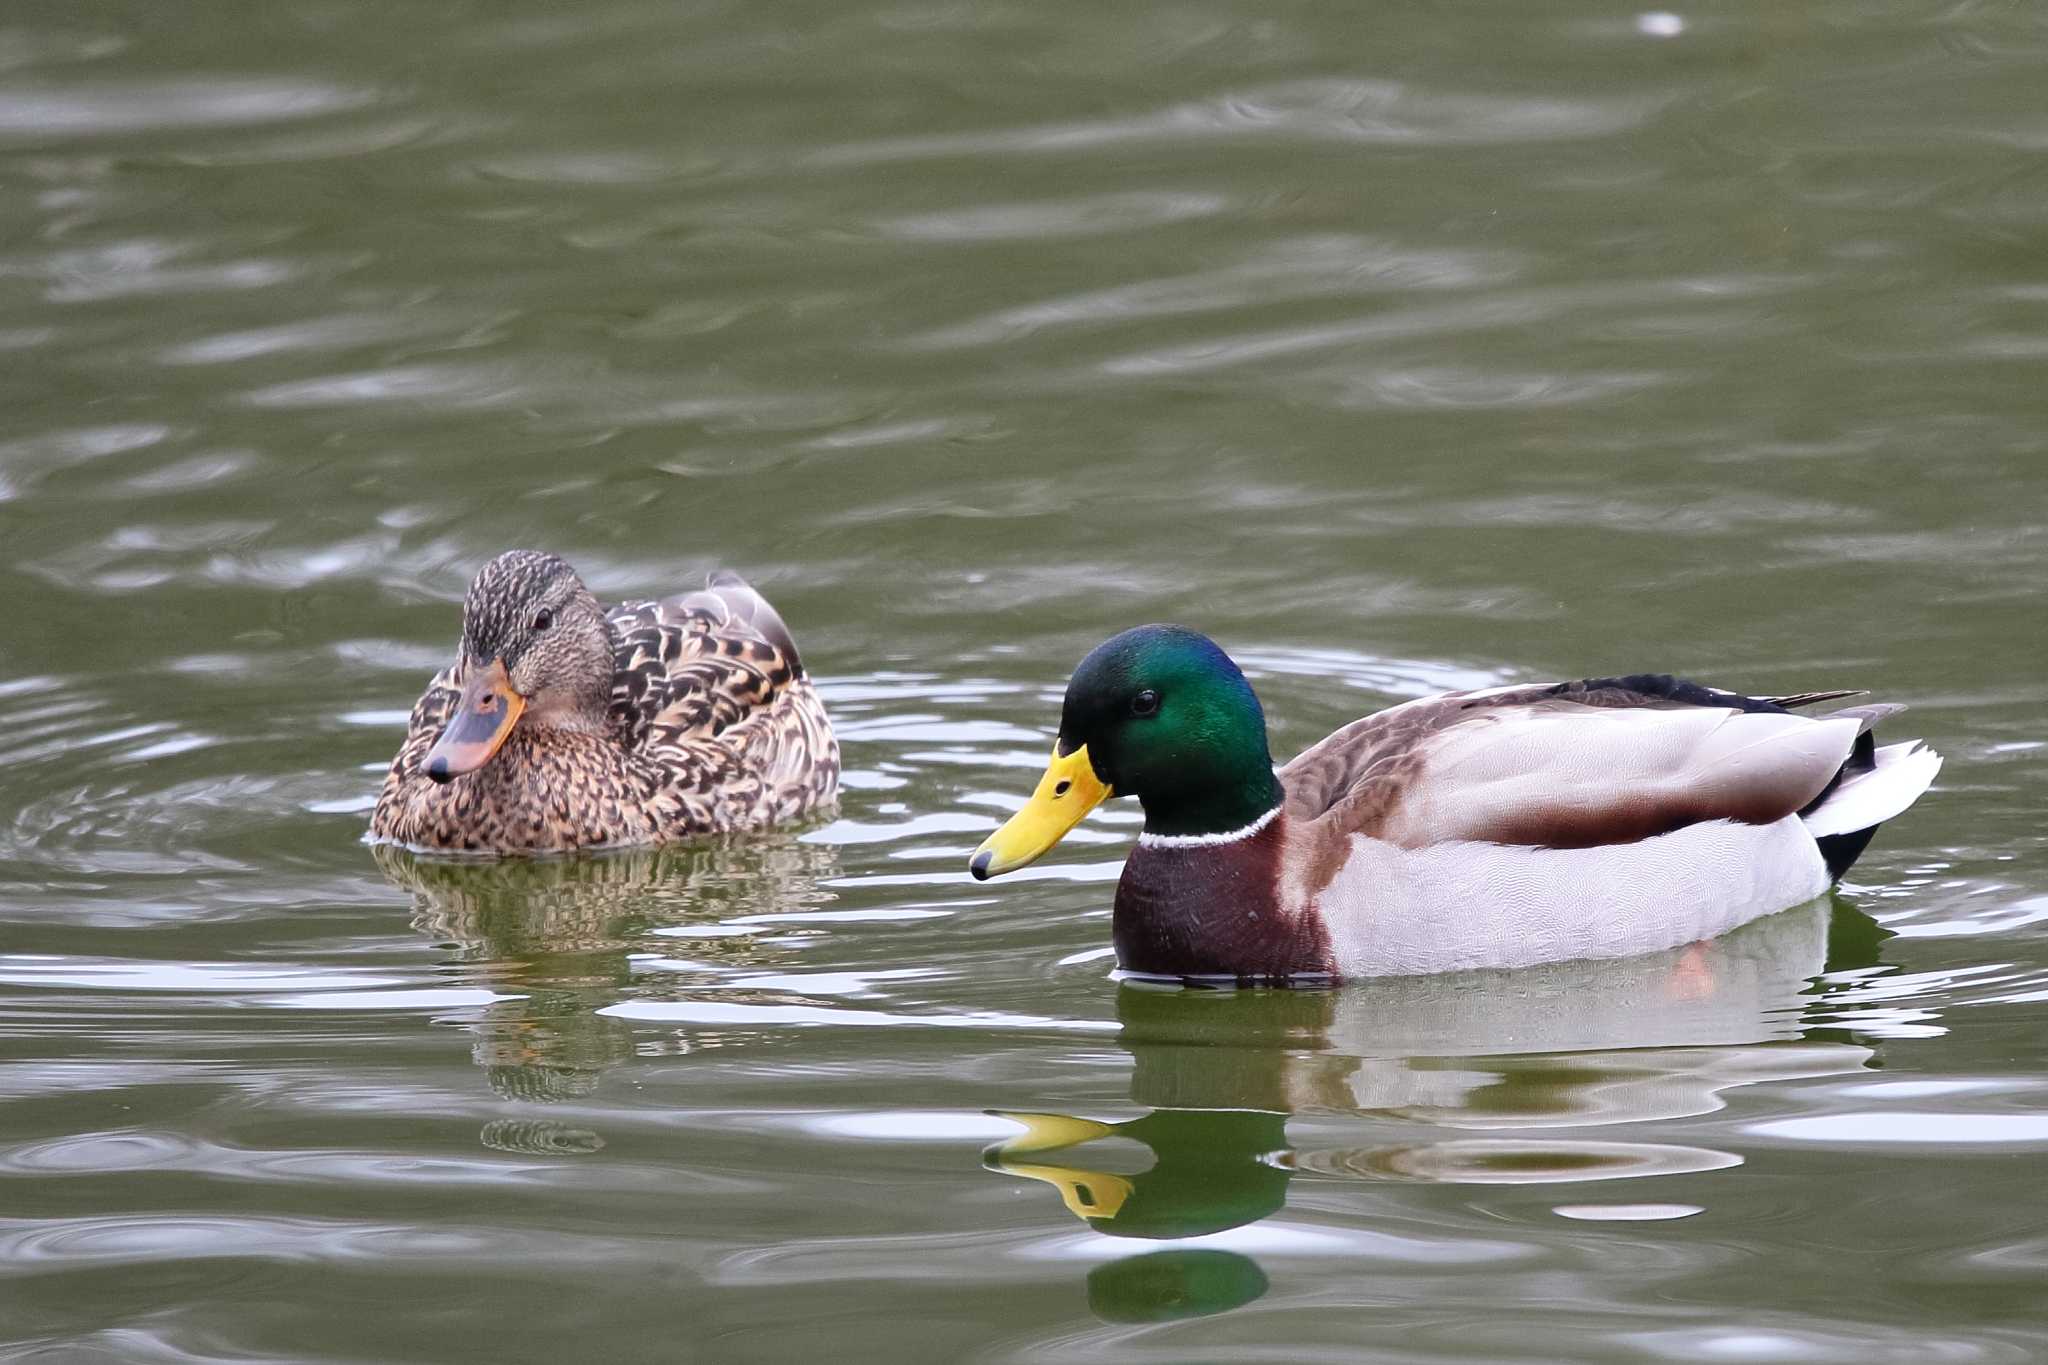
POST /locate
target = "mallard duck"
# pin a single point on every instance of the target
(562, 725)
(1494, 828)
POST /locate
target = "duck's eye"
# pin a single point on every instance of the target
(1146, 703)
(543, 620)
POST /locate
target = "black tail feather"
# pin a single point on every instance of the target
(1798, 699)
(1842, 850)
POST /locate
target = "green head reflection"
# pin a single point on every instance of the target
(1210, 1169)
(1162, 1286)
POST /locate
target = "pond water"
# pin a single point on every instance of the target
(1399, 348)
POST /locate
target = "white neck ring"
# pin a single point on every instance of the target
(1230, 836)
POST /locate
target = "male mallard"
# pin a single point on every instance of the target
(562, 725)
(1496, 828)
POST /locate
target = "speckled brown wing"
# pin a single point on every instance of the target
(791, 746)
(689, 667)
(709, 686)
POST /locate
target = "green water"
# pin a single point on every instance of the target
(1400, 348)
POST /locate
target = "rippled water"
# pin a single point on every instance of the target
(1400, 349)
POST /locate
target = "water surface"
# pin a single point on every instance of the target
(1400, 349)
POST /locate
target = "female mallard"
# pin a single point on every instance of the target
(562, 725)
(1497, 828)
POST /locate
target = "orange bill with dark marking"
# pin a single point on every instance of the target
(483, 718)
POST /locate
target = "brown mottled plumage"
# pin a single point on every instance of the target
(648, 722)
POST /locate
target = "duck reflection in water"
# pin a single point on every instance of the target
(1504, 1057)
(558, 935)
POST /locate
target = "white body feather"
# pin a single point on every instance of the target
(1395, 911)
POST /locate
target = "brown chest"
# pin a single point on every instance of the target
(545, 794)
(1214, 910)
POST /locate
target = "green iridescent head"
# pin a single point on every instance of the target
(1168, 718)
(1160, 713)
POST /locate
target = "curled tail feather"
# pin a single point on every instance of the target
(1873, 786)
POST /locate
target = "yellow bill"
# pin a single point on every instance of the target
(1087, 1194)
(1068, 791)
(483, 718)
(1047, 1132)
(1092, 1196)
